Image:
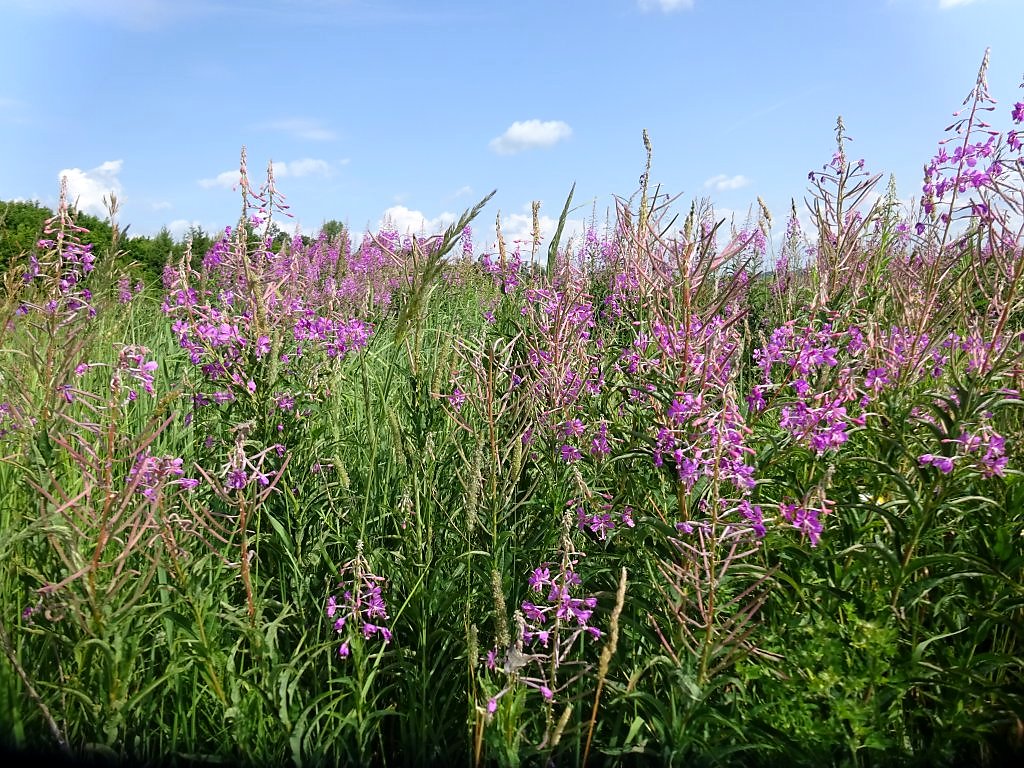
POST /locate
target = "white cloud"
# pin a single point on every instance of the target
(954, 3)
(179, 227)
(302, 128)
(667, 6)
(731, 216)
(291, 227)
(529, 134)
(161, 205)
(225, 180)
(519, 227)
(410, 222)
(307, 166)
(723, 183)
(86, 189)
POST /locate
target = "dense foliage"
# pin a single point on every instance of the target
(653, 499)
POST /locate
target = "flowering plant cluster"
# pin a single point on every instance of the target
(548, 628)
(826, 444)
(151, 474)
(361, 608)
(58, 268)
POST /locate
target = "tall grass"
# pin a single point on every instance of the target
(658, 500)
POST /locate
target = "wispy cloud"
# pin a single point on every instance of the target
(153, 14)
(307, 166)
(295, 169)
(723, 183)
(12, 110)
(161, 205)
(142, 14)
(665, 6)
(88, 188)
(530, 134)
(954, 3)
(304, 128)
(224, 180)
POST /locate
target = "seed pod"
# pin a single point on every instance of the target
(472, 645)
(441, 366)
(339, 467)
(517, 460)
(562, 722)
(500, 616)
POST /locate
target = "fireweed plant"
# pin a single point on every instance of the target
(673, 490)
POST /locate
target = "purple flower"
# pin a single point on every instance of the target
(755, 400)
(876, 378)
(540, 578)
(573, 427)
(362, 604)
(237, 479)
(124, 289)
(993, 465)
(753, 515)
(532, 612)
(942, 463)
(599, 445)
(804, 520)
(598, 523)
(457, 398)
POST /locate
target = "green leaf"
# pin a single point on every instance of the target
(553, 246)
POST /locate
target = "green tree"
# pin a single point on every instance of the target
(333, 229)
(152, 253)
(21, 226)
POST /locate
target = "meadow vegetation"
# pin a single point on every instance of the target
(669, 492)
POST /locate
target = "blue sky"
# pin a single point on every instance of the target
(414, 109)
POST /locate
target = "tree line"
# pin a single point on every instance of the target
(22, 223)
